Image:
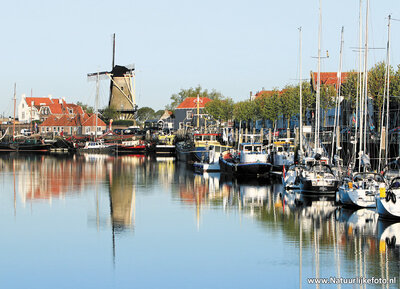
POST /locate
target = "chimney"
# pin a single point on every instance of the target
(251, 96)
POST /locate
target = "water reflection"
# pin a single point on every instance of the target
(311, 235)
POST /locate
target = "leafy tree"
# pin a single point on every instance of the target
(220, 109)
(145, 113)
(269, 106)
(159, 113)
(177, 98)
(327, 98)
(110, 113)
(86, 108)
(290, 102)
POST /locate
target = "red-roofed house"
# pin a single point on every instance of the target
(40, 108)
(268, 93)
(73, 125)
(327, 78)
(186, 111)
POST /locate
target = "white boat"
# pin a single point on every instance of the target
(209, 161)
(98, 146)
(291, 177)
(318, 178)
(249, 160)
(388, 200)
(281, 153)
(360, 190)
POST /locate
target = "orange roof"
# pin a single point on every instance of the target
(76, 108)
(91, 121)
(191, 102)
(268, 93)
(37, 101)
(328, 78)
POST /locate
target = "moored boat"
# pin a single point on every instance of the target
(249, 160)
(360, 190)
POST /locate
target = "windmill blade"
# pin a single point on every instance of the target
(93, 76)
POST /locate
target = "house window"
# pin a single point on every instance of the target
(99, 128)
(189, 114)
(47, 128)
(43, 129)
(23, 115)
(54, 128)
(87, 129)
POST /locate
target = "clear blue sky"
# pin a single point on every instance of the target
(232, 46)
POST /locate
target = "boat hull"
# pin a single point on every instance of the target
(386, 208)
(356, 198)
(244, 169)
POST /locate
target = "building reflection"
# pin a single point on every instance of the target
(43, 177)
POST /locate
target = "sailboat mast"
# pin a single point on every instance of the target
(97, 101)
(317, 102)
(338, 85)
(300, 96)
(15, 104)
(359, 100)
(112, 68)
(387, 94)
(366, 80)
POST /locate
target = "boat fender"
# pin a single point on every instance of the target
(387, 197)
(393, 197)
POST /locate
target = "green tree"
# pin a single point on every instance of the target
(269, 107)
(144, 113)
(86, 108)
(220, 109)
(110, 113)
(159, 113)
(327, 99)
(177, 98)
(290, 102)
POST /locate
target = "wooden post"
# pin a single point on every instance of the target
(245, 136)
(236, 136)
(337, 137)
(296, 137)
(269, 136)
(261, 135)
(288, 132)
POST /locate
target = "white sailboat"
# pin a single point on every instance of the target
(318, 178)
(360, 188)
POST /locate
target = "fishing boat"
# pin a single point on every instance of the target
(165, 145)
(281, 153)
(209, 161)
(249, 160)
(360, 189)
(131, 146)
(184, 150)
(206, 153)
(97, 146)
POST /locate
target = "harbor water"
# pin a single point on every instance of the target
(100, 221)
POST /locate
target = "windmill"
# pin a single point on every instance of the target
(122, 87)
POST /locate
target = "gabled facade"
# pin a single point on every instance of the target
(40, 108)
(186, 112)
(80, 124)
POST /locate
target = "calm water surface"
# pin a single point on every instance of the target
(95, 221)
